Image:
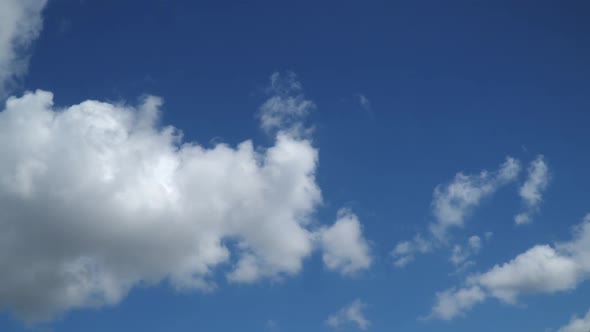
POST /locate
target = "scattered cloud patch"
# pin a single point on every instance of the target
(344, 248)
(460, 255)
(540, 269)
(350, 314)
(404, 252)
(451, 205)
(453, 202)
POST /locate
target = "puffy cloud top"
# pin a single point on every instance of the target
(97, 197)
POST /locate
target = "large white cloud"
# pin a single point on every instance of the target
(540, 269)
(96, 198)
(20, 24)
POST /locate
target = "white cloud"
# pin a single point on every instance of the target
(453, 202)
(344, 247)
(522, 218)
(577, 324)
(532, 190)
(97, 198)
(540, 269)
(451, 303)
(538, 179)
(352, 313)
(20, 24)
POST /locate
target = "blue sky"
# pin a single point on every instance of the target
(335, 166)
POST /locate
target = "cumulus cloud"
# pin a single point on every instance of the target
(344, 248)
(96, 198)
(352, 313)
(577, 324)
(532, 190)
(20, 24)
(453, 202)
(540, 269)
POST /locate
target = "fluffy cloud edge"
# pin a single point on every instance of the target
(20, 25)
(542, 269)
(577, 324)
(344, 247)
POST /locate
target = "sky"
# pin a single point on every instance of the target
(294, 166)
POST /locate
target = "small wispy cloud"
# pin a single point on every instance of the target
(364, 102)
(460, 255)
(272, 325)
(452, 203)
(352, 313)
(532, 190)
(287, 106)
(404, 252)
